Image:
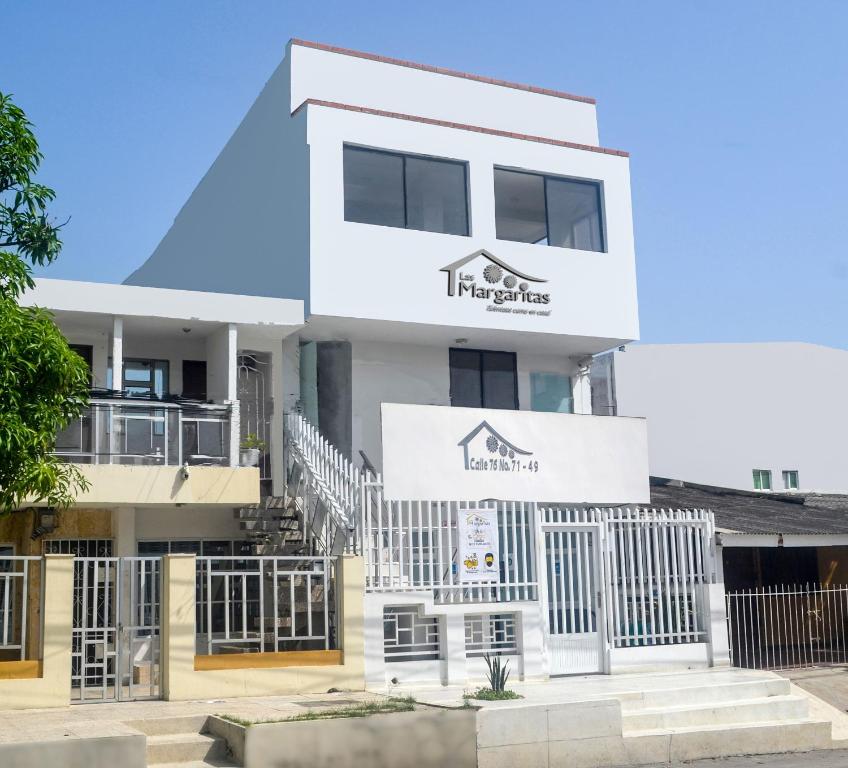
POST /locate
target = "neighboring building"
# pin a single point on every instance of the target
(426, 263)
(735, 415)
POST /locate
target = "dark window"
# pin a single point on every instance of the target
(194, 379)
(483, 379)
(405, 191)
(533, 208)
(145, 378)
(86, 352)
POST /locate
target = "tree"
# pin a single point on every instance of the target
(43, 383)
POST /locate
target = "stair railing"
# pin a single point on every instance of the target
(330, 478)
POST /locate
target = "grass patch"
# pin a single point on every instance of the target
(487, 694)
(364, 709)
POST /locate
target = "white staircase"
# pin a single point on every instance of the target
(719, 714)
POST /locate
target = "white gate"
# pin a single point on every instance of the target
(573, 598)
(115, 651)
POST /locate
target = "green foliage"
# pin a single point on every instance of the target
(498, 673)
(252, 441)
(43, 383)
(487, 694)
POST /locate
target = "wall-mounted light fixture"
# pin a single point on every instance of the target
(46, 519)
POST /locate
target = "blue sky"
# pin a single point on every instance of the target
(734, 114)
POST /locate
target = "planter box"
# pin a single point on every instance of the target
(429, 737)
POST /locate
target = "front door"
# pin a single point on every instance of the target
(115, 652)
(574, 612)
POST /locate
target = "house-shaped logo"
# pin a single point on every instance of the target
(498, 282)
(486, 448)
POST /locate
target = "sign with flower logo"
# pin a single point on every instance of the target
(487, 450)
(478, 547)
(506, 288)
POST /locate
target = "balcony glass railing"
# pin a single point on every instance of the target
(120, 430)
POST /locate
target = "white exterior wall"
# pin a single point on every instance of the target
(419, 375)
(328, 76)
(716, 412)
(381, 273)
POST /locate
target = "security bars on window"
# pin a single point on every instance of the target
(407, 636)
(250, 604)
(15, 573)
(493, 634)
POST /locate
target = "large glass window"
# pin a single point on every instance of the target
(790, 479)
(142, 378)
(483, 379)
(407, 191)
(551, 392)
(534, 208)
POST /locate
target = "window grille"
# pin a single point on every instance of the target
(492, 634)
(408, 636)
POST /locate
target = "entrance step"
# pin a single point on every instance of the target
(160, 726)
(704, 741)
(184, 747)
(771, 708)
(705, 693)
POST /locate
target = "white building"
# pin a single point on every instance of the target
(732, 415)
(397, 276)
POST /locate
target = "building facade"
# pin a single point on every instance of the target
(747, 430)
(386, 295)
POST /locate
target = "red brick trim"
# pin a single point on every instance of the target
(443, 71)
(462, 127)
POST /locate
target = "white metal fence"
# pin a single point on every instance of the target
(658, 563)
(414, 546)
(250, 604)
(15, 576)
(788, 626)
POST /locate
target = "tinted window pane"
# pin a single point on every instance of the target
(574, 218)
(435, 196)
(499, 383)
(373, 187)
(550, 392)
(520, 207)
(465, 383)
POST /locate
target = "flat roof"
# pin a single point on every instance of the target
(170, 303)
(441, 70)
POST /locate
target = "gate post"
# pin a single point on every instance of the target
(716, 613)
(178, 631)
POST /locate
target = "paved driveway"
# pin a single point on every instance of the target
(828, 683)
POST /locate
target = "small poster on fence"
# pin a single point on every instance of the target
(479, 550)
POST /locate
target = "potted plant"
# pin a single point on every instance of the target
(250, 447)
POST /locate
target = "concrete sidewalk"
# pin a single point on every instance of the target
(831, 758)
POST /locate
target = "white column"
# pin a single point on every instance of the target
(453, 647)
(117, 353)
(222, 378)
(716, 609)
(582, 389)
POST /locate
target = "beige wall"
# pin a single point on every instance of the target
(118, 485)
(180, 681)
(53, 687)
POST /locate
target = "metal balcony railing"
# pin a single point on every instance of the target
(148, 433)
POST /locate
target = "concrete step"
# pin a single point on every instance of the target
(184, 747)
(159, 726)
(771, 708)
(705, 693)
(682, 744)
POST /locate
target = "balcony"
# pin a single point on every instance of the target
(144, 432)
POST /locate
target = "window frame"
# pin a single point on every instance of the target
(758, 476)
(403, 157)
(794, 473)
(602, 210)
(480, 353)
